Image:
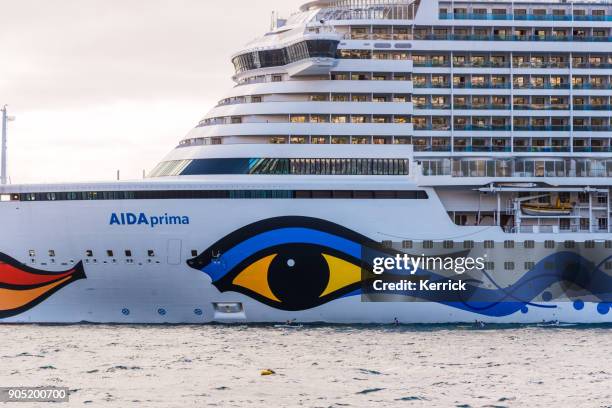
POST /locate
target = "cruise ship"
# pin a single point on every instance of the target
(448, 128)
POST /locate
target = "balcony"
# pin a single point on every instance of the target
(541, 149)
(597, 128)
(540, 107)
(543, 128)
(541, 86)
(588, 107)
(482, 149)
(592, 86)
(481, 85)
(495, 128)
(482, 106)
(480, 64)
(431, 106)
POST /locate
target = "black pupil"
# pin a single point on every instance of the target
(298, 275)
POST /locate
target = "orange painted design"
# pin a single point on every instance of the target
(13, 299)
(255, 278)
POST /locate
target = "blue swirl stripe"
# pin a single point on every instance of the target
(216, 270)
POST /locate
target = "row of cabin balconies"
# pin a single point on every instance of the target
(516, 81)
(502, 102)
(459, 144)
(508, 145)
(427, 101)
(602, 12)
(503, 123)
(518, 60)
(475, 33)
(440, 123)
(523, 167)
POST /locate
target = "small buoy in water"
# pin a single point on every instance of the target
(267, 372)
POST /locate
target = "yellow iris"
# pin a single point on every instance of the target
(255, 276)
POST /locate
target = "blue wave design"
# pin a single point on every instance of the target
(569, 267)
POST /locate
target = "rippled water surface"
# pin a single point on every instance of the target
(219, 366)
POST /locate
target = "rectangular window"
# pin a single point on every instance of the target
(508, 244)
(489, 244)
(51, 253)
(529, 265)
(407, 244)
(529, 244)
(128, 253)
(549, 244)
(109, 253)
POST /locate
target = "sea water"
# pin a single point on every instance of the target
(315, 366)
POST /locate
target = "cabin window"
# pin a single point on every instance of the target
(406, 244)
(509, 266)
(529, 265)
(489, 244)
(150, 253)
(89, 253)
(109, 253)
(549, 244)
(428, 244)
(468, 244)
(529, 244)
(51, 253)
(128, 253)
(508, 244)
(32, 253)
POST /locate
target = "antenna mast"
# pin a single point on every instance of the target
(3, 171)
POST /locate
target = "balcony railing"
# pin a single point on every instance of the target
(467, 167)
(596, 128)
(492, 37)
(587, 107)
(481, 85)
(542, 128)
(522, 17)
(482, 127)
(535, 106)
(485, 106)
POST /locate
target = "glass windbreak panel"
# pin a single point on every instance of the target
(287, 55)
(217, 166)
(280, 166)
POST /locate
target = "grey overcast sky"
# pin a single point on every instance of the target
(102, 85)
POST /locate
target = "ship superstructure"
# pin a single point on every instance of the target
(419, 125)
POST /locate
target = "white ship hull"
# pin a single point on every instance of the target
(165, 289)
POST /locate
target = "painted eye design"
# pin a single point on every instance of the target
(289, 263)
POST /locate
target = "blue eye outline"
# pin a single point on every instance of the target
(228, 257)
